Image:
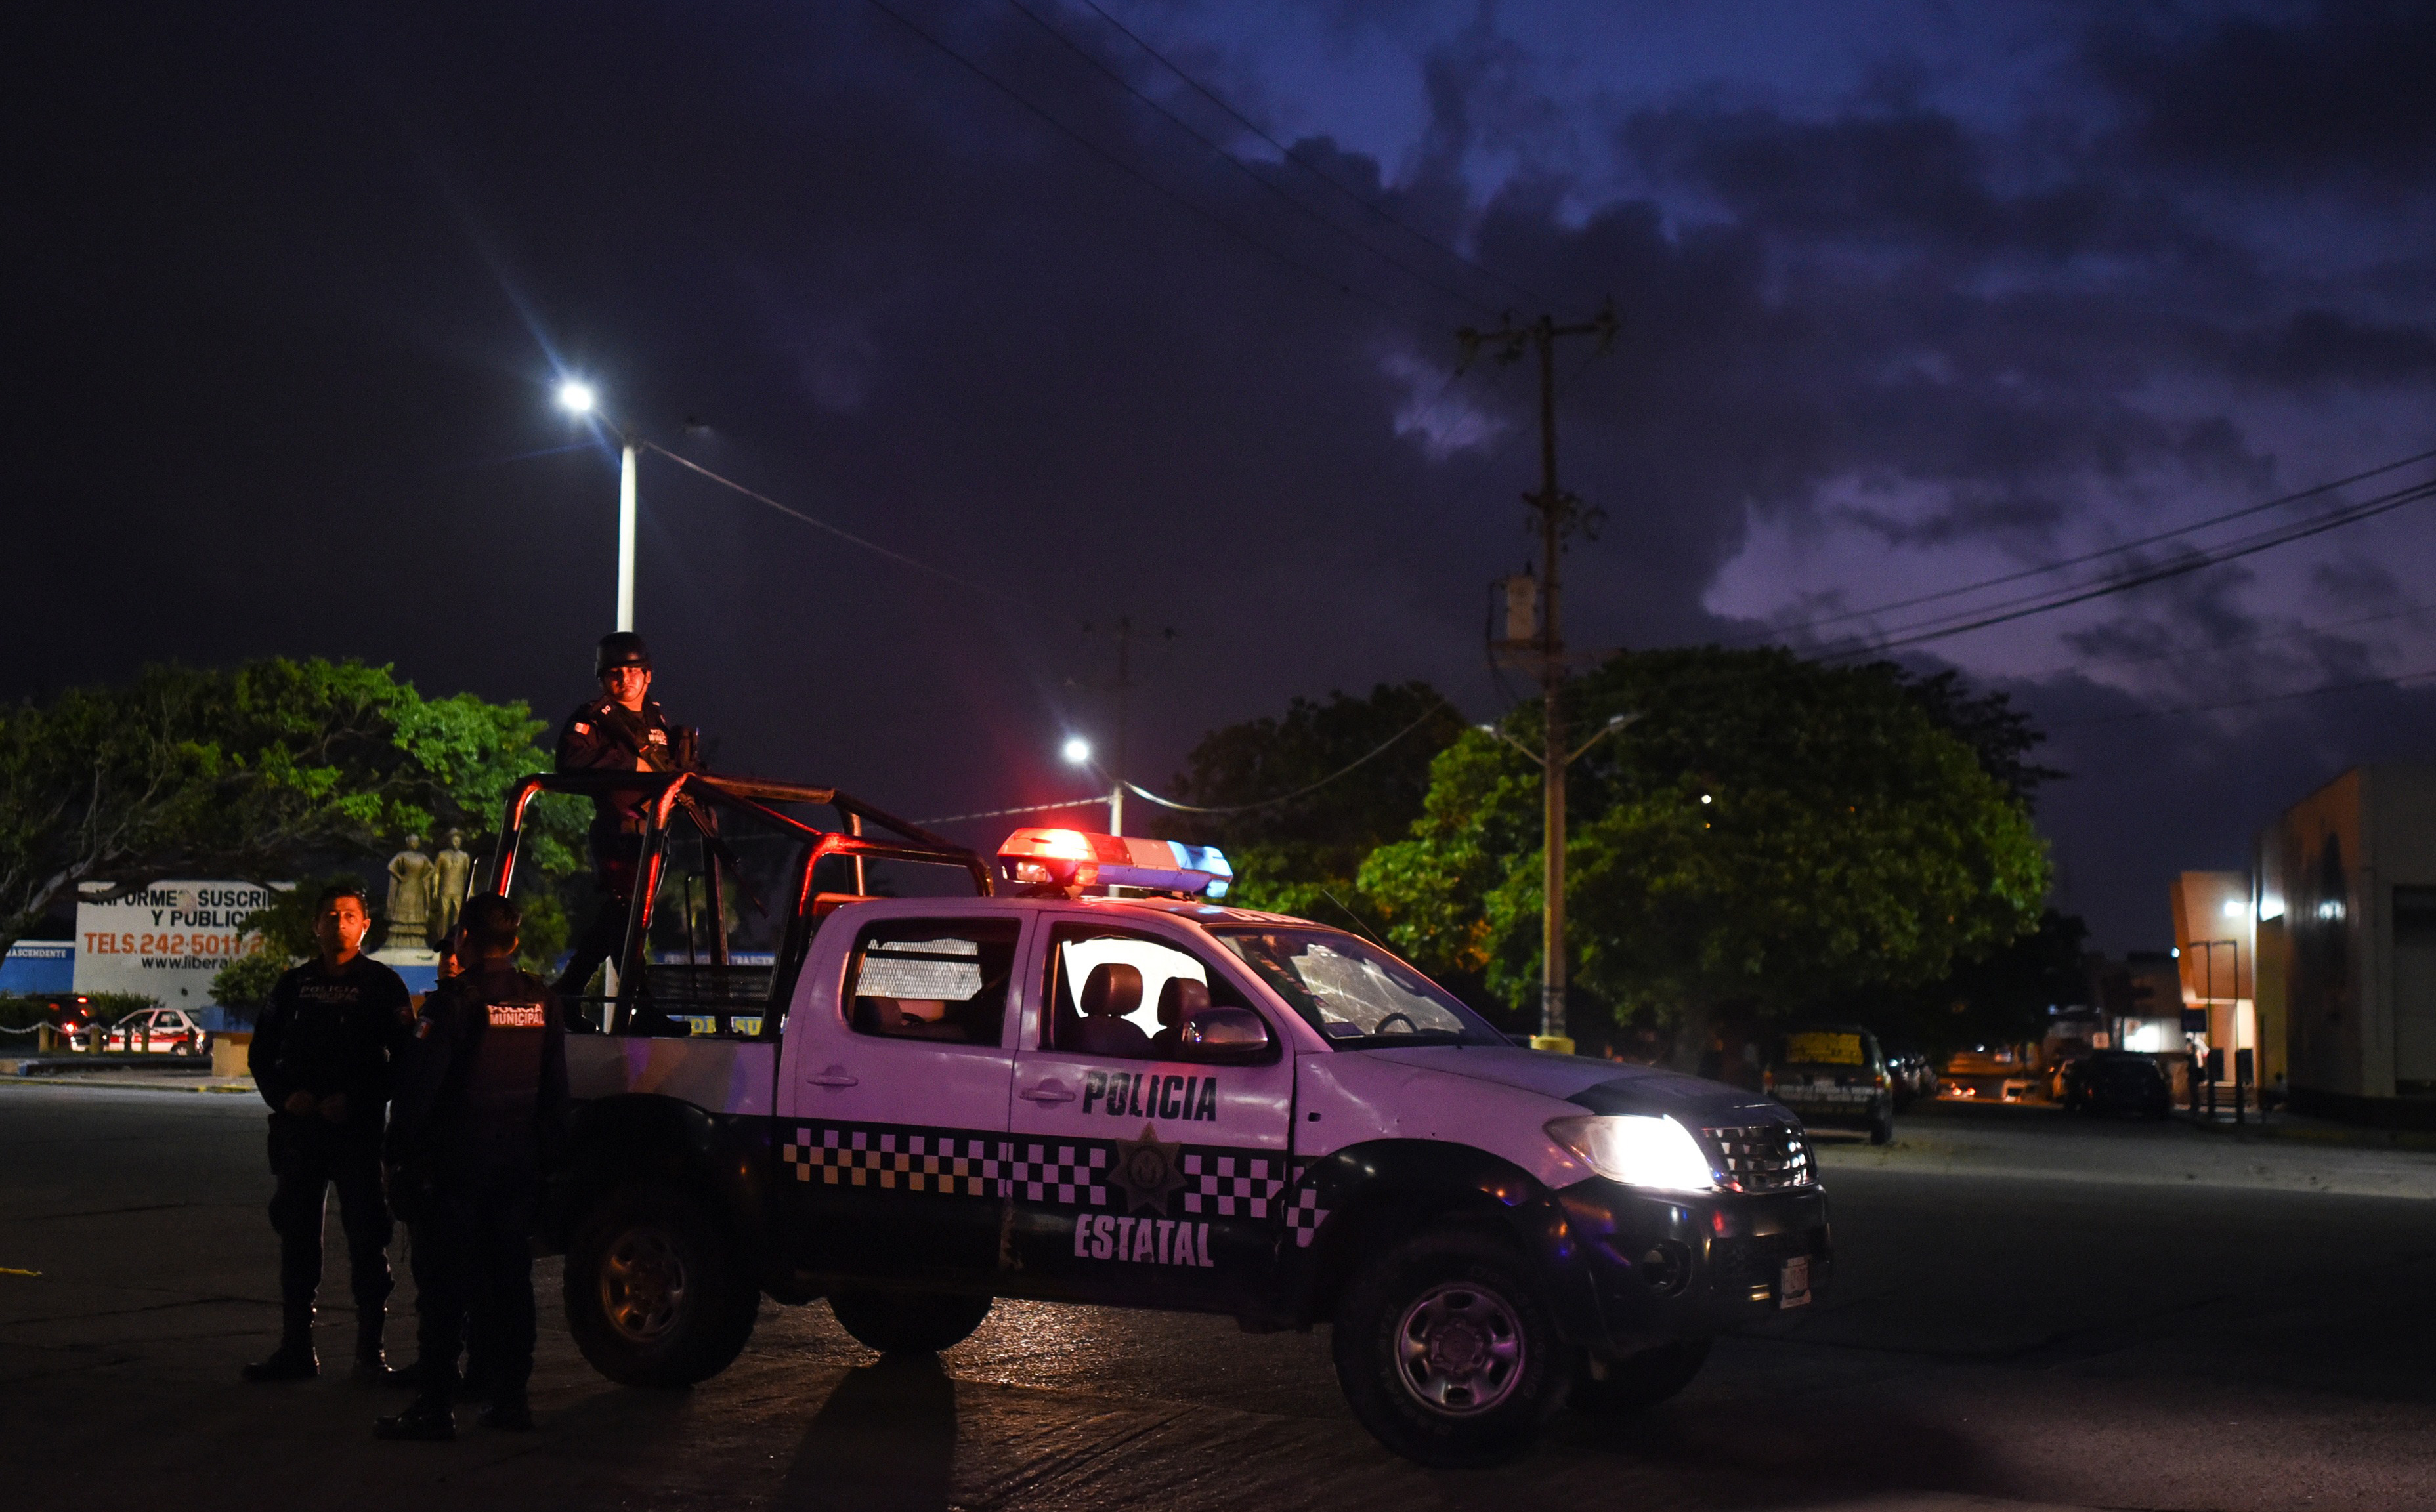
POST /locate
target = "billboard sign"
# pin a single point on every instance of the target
(164, 941)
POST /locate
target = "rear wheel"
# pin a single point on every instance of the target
(1882, 1129)
(657, 1295)
(1448, 1353)
(1638, 1382)
(907, 1322)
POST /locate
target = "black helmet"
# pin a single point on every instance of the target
(621, 648)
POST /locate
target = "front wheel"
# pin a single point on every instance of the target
(657, 1295)
(910, 1322)
(1638, 1382)
(1448, 1353)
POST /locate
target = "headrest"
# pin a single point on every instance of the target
(1113, 990)
(1178, 997)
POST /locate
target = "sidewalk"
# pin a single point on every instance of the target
(116, 1072)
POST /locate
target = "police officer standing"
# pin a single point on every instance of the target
(481, 1088)
(321, 1055)
(622, 731)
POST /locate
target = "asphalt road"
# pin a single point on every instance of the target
(2029, 1311)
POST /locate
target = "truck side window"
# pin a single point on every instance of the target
(1122, 995)
(932, 979)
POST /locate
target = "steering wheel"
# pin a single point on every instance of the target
(1381, 1027)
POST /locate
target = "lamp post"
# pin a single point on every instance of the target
(1553, 1033)
(577, 398)
(1077, 752)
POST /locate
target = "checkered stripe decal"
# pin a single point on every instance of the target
(1304, 1213)
(1232, 1185)
(951, 1164)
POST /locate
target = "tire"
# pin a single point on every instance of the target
(657, 1294)
(1446, 1351)
(1639, 1381)
(1882, 1130)
(908, 1321)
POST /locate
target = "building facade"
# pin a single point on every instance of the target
(2344, 903)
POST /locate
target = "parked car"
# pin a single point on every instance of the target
(170, 1032)
(1989, 1076)
(1834, 1077)
(2118, 1081)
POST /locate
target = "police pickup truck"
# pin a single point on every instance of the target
(842, 1058)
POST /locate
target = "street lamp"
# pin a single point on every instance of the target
(577, 398)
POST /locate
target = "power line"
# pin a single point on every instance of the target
(2028, 606)
(2246, 702)
(1313, 169)
(1027, 808)
(2085, 557)
(1240, 166)
(1129, 170)
(2084, 664)
(1380, 748)
(842, 535)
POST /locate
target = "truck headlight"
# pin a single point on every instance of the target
(1638, 1150)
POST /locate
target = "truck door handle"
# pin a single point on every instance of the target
(1046, 1092)
(831, 1076)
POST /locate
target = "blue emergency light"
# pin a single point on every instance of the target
(1070, 858)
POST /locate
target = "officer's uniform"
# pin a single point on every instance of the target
(326, 1033)
(481, 1088)
(605, 736)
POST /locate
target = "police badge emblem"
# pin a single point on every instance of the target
(1147, 1172)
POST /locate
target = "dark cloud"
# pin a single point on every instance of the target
(2329, 92)
(300, 283)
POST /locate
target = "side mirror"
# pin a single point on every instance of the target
(1225, 1035)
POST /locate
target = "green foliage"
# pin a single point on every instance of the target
(1290, 857)
(263, 771)
(24, 1013)
(1847, 841)
(244, 984)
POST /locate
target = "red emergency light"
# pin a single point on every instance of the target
(1072, 857)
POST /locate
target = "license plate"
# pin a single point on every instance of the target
(1793, 1283)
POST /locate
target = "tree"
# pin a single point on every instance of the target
(1291, 855)
(263, 772)
(1771, 832)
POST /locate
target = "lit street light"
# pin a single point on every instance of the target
(577, 398)
(1078, 751)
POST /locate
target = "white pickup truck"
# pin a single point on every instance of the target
(1019, 1085)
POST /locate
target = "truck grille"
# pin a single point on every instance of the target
(1763, 1156)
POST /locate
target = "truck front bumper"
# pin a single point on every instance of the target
(1638, 1268)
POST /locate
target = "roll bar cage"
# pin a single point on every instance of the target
(903, 841)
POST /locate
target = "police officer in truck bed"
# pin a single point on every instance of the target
(481, 1086)
(622, 731)
(321, 1055)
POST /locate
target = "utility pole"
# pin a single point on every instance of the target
(1123, 629)
(1559, 513)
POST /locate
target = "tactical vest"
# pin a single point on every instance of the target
(510, 1029)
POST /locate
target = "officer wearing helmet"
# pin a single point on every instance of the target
(622, 731)
(481, 1090)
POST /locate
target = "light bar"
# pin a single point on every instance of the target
(1070, 858)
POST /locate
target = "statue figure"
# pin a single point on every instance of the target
(409, 895)
(452, 878)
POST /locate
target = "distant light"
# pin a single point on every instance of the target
(2271, 907)
(578, 397)
(2178, 952)
(2235, 908)
(1078, 750)
(1705, 798)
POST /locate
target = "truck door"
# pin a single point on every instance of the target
(1145, 1171)
(891, 1131)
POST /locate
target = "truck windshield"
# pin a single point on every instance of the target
(1352, 991)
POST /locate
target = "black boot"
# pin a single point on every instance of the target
(427, 1421)
(294, 1359)
(370, 1367)
(508, 1411)
(408, 1378)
